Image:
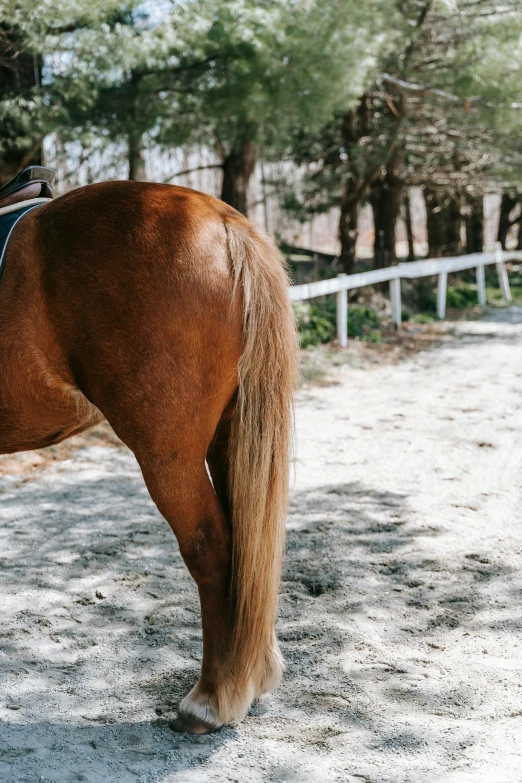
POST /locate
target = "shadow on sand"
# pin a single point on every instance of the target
(102, 637)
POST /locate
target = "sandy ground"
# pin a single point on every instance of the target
(401, 606)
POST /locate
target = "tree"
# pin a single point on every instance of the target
(444, 218)
(367, 98)
(284, 65)
(48, 53)
(430, 118)
(122, 72)
(510, 213)
(365, 151)
(463, 115)
(236, 74)
(20, 77)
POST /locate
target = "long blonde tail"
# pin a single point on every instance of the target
(259, 455)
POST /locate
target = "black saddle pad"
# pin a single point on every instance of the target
(7, 224)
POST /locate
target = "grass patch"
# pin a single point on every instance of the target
(495, 294)
(422, 318)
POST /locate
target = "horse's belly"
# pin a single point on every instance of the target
(34, 424)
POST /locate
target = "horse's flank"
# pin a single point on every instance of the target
(166, 312)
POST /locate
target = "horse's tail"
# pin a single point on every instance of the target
(259, 454)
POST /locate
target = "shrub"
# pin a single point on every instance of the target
(458, 297)
(461, 296)
(422, 318)
(317, 322)
(362, 321)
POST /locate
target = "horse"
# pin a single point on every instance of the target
(165, 312)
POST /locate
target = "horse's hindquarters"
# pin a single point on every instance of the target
(166, 311)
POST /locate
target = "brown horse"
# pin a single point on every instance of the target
(167, 313)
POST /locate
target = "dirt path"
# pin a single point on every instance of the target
(401, 609)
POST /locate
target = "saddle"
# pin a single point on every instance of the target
(32, 182)
(31, 188)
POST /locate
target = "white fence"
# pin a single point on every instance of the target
(341, 284)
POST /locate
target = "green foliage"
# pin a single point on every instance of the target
(363, 323)
(451, 117)
(422, 318)
(307, 81)
(493, 292)
(373, 337)
(277, 66)
(317, 322)
(461, 296)
(51, 60)
(211, 71)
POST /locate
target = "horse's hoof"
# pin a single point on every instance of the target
(188, 724)
(196, 715)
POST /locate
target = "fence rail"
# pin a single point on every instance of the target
(441, 267)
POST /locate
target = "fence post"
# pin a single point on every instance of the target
(441, 294)
(395, 298)
(481, 285)
(503, 280)
(342, 315)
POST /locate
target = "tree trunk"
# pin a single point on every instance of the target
(519, 243)
(409, 226)
(443, 220)
(137, 168)
(453, 225)
(348, 229)
(507, 205)
(475, 224)
(436, 239)
(356, 125)
(238, 167)
(385, 198)
(20, 71)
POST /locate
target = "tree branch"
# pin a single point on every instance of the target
(189, 171)
(419, 89)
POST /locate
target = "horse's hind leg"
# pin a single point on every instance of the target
(179, 485)
(217, 459)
